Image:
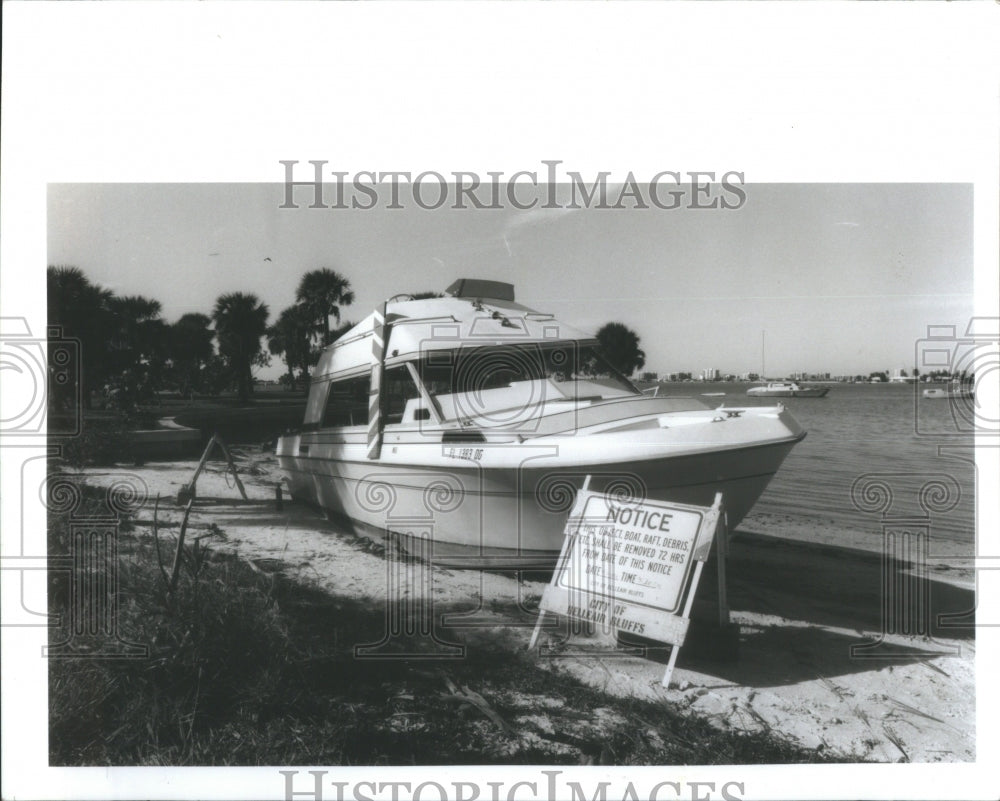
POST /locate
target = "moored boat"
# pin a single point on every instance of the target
(787, 389)
(464, 425)
(950, 391)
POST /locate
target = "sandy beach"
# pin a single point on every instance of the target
(802, 597)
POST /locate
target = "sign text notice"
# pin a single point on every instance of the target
(625, 566)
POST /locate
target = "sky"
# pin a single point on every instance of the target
(843, 278)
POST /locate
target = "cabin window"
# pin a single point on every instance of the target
(397, 390)
(347, 403)
(479, 369)
(505, 375)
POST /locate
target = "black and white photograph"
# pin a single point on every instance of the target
(504, 440)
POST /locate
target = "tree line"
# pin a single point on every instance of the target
(128, 351)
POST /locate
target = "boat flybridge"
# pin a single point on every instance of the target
(462, 426)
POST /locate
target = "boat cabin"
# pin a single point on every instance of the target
(472, 357)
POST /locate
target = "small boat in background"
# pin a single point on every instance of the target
(787, 389)
(950, 391)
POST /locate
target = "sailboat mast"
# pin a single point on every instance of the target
(763, 370)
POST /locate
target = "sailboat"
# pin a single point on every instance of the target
(783, 389)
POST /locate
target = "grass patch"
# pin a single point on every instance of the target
(247, 667)
(103, 439)
(262, 421)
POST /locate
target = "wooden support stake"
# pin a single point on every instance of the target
(188, 491)
(176, 569)
(232, 466)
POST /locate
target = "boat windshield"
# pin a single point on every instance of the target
(507, 376)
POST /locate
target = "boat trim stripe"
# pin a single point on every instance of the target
(681, 455)
(497, 494)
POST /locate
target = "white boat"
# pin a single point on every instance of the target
(787, 389)
(950, 391)
(463, 426)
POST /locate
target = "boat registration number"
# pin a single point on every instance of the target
(464, 453)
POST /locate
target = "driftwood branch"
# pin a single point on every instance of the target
(474, 699)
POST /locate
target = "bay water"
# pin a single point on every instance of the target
(873, 453)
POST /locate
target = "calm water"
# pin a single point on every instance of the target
(862, 429)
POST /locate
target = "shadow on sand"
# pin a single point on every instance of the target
(844, 588)
(818, 595)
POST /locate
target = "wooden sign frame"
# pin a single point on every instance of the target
(622, 576)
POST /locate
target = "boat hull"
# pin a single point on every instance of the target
(469, 514)
(811, 392)
(948, 393)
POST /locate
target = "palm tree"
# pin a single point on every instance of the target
(190, 349)
(82, 310)
(620, 345)
(290, 337)
(139, 333)
(191, 338)
(137, 348)
(240, 322)
(322, 293)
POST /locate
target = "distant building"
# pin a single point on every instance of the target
(710, 374)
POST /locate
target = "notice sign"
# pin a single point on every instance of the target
(625, 565)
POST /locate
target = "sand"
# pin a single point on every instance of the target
(801, 598)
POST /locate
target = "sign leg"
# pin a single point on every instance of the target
(537, 631)
(722, 556)
(670, 666)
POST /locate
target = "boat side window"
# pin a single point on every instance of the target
(397, 389)
(347, 403)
